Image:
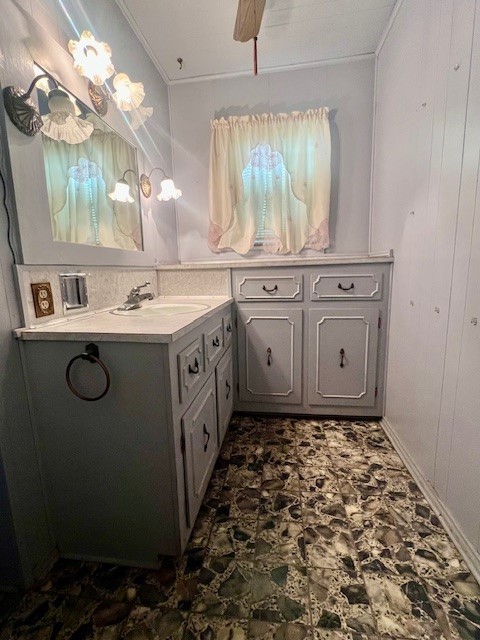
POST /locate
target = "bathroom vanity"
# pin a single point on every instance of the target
(312, 339)
(125, 475)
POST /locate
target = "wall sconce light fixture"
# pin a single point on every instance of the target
(128, 95)
(121, 193)
(92, 59)
(168, 190)
(22, 110)
(61, 123)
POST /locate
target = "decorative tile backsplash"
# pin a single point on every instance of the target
(204, 282)
(106, 287)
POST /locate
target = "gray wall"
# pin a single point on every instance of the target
(34, 30)
(26, 544)
(346, 88)
(426, 206)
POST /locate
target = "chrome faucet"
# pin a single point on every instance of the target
(135, 297)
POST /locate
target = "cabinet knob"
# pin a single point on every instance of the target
(216, 342)
(228, 388)
(269, 356)
(229, 328)
(342, 357)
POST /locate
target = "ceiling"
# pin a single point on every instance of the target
(293, 33)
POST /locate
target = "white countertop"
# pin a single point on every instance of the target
(104, 326)
(295, 261)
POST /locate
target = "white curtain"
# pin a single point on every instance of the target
(295, 145)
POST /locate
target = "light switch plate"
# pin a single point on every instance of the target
(42, 299)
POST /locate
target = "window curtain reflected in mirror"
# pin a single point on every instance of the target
(79, 177)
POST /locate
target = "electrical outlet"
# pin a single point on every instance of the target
(42, 299)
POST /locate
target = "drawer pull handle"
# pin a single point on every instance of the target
(228, 388)
(195, 368)
(229, 328)
(269, 356)
(274, 290)
(352, 286)
(216, 342)
(342, 357)
(206, 433)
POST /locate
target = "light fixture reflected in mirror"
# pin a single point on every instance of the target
(121, 193)
(168, 190)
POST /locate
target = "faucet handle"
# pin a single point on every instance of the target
(136, 289)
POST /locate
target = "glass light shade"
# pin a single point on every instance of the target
(62, 123)
(91, 58)
(121, 193)
(128, 95)
(168, 191)
(138, 116)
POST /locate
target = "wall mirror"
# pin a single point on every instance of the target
(84, 158)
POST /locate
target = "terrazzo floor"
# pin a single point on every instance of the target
(309, 529)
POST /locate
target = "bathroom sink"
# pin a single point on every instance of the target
(163, 309)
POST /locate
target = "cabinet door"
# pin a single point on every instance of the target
(342, 357)
(199, 426)
(270, 355)
(224, 379)
(214, 344)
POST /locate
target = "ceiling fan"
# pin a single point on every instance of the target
(247, 24)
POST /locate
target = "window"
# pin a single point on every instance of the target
(270, 182)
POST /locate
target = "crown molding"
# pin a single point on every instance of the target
(279, 69)
(136, 29)
(388, 26)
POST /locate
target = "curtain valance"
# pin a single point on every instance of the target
(295, 199)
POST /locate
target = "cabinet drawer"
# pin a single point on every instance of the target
(249, 288)
(350, 286)
(224, 380)
(191, 370)
(199, 430)
(227, 329)
(214, 344)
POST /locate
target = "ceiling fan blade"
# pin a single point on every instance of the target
(249, 18)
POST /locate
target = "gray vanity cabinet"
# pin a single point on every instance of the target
(342, 362)
(270, 354)
(125, 476)
(312, 339)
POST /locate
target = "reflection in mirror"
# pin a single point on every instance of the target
(81, 172)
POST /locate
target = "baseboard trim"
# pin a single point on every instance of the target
(467, 551)
(110, 560)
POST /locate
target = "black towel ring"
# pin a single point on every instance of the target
(91, 354)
